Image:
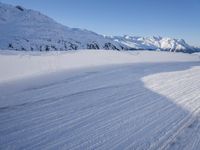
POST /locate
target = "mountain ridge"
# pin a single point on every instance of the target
(154, 43)
(26, 29)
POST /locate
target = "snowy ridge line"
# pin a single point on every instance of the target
(29, 30)
(155, 43)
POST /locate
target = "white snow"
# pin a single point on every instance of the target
(183, 89)
(154, 43)
(94, 99)
(197, 53)
(14, 64)
(99, 100)
(31, 30)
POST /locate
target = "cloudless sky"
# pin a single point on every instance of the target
(170, 18)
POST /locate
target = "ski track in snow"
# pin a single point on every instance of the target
(135, 106)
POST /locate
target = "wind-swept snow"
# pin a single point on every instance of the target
(183, 89)
(14, 64)
(114, 100)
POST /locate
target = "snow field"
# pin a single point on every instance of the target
(124, 100)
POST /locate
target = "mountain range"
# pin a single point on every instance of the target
(26, 29)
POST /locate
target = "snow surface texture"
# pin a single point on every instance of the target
(15, 64)
(24, 29)
(147, 100)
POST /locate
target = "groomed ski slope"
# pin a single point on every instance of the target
(114, 100)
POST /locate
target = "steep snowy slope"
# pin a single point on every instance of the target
(24, 29)
(154, 43)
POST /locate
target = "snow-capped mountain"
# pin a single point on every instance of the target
(25, 29)
(154, 43)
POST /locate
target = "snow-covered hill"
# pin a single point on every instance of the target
(25, 29)
(154, 43)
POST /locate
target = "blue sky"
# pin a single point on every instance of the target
(171, 18)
